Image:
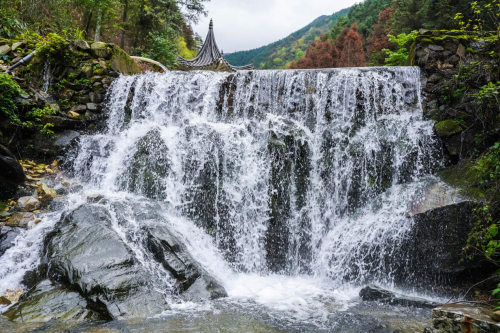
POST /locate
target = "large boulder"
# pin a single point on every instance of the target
(11, 174)
(87, 255)
(462, 318)
(442, 221)
(48, 301)
(124, 261)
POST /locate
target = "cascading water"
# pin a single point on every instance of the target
(280, 179)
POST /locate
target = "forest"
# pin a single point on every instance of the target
(380, 32)
(157, 29)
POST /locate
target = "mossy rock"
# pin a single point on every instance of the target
(48, 302)
(122, 63)
(463, 177)
(447, 128)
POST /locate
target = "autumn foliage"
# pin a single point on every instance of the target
(318, 55)
(346, 51)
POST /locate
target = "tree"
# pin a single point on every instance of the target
(318, 55)
(351, 49)
(379, 39)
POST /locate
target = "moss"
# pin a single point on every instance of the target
(447, 128)
(122, 63)
(463, 177)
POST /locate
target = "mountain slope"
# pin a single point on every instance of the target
(279, 54)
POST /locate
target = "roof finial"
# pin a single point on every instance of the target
(211, 26)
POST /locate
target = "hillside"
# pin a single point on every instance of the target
(279, 54)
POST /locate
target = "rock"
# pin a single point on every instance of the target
(14, 295)
(11, 174)
(436, 241)
(86, 71)
(95, 198)
(374, 293)
(47, 302)
(495, 315)
(47, 193)
(461, 51)
(77, 188)
(100, 50)
(435, 196)
(21, 220)
(82, 45)
(4, 301)
(62, 141)
(73, 115)
(462, 318)
(7, 238)
(58, 204)
(122, 63)
(87, 255)
(196, 284)
(96, 98)
(149, 166)
(447, 128)
(15, 46)
(435, 47)
(81, 108)
(4, 49)
(92, 107)
(63, 122)
(27, 204)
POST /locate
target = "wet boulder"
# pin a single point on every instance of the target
(47, 301)
(27, 204)
(85, 254)
(7, 237)
(149, 166)
(377, 294)
(462, 318)
(21, 220)
(194, 281)
(94, 251)
(11, 174)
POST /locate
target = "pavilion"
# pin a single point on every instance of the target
(209, 58)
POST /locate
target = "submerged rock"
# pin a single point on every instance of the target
(374, 293)
(462, 318)
(46, 302)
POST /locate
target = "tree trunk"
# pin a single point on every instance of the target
(98, 24)
(124, 19)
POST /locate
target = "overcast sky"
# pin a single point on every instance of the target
(247, 24)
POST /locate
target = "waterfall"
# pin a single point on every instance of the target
(293, 188)
(289, 172)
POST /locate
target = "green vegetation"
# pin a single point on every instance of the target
(281, 53)
(152, 28)
(9, 90)
(400, 56)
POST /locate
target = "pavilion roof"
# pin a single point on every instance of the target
(209, 58)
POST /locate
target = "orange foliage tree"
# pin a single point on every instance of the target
(379, 39)
(350, 46)
(320, 54)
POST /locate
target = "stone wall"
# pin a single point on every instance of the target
(73, 82)
(448, 59)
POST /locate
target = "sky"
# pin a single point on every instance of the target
(247, 24)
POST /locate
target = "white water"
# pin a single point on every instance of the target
(341, 152)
